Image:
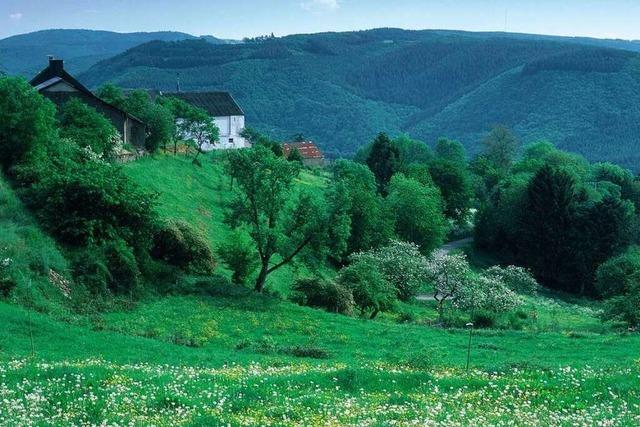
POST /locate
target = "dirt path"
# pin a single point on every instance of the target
(445, 249)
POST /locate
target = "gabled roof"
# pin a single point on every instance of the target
(56, 70)
(56, 73)
(217, 104)
(307, 149)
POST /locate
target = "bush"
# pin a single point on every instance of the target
(483, 319)
(124, 274)
(517, 279)
(27, 120)
(619, 279)
(88, 128)
(306, 351)
(178, 244)
(488, 294)
(401, 264)
(326, 294)
(82, 201)
(618, 274)
(239, 255)
(371, 291)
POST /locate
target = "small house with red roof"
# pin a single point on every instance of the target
(311, 154)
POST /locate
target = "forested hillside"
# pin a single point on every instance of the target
(342, 88)
(26, 54)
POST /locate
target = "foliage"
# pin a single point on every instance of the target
(179, 244)
(372, 293)
(280, 222)
(88, 128)
(158, 118)
(121, 263)
(27, 120)
(361, 209)
(400, 263)
(383, 160)
(486, 293)
(449, 275)
(327, 294)
(295, 156)
(193, 124)
(450, 151)
(91, 202)
(257, 138)
(426, 84)
(454, 183)
(237, 252)
(516, 278)
(417, 211)
(501, 147)
(618, 279)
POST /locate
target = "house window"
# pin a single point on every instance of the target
(230, 140)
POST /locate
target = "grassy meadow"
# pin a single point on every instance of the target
(229, 356)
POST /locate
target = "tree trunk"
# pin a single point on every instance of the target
(374, 314)
(262, 277)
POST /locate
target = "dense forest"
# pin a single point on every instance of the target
(26, 54)
(341, 89)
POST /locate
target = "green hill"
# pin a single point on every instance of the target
(230, 356)
(342, 88)
(26, 54)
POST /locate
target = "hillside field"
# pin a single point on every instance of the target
(231, 357)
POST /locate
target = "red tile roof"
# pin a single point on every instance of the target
(307, 149)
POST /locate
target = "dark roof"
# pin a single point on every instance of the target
(307, 149)
(56, 69)
(55, 72)
(217, 104)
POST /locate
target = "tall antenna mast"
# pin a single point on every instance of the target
(178, 82)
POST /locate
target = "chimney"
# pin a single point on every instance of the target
(56, 65)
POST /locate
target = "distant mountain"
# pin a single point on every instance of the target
(26, 54)
(342, 88)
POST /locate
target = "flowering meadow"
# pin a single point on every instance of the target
(96, 392)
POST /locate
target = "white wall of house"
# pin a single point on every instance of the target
(230, 129)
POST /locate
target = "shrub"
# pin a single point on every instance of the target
(90, 271)
(619, 279)
(315, 292)
(619, 273)
(306, 351)
(27, 120)
(178, 244)
(82, 201)
(371, 291)
(238, 254)
(88, 128)
(483, 319)
(517, 279)
(124, 274)
(486, 293)
(401, 264)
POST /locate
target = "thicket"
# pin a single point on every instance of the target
(105, 222)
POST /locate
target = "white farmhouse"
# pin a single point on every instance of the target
(227, 114)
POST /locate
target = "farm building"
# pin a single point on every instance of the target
(311, 154)
(59, 86)
(225, 111)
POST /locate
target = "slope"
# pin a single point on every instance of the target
(26, 54)
(342, 88)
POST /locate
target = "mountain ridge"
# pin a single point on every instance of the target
(26, 54)
(341, 89)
